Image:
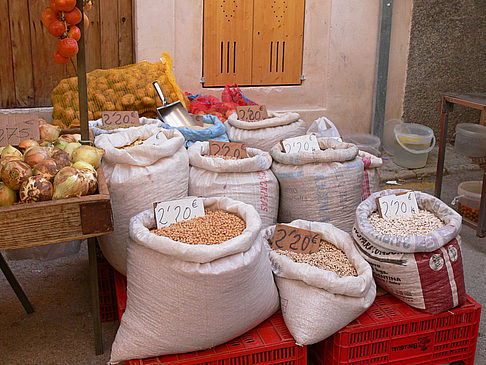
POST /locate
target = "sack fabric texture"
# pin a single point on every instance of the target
(137, 177)
(184, 297)
(249, 180)
(94, 126)
(324, 186)
(315, 302)
(371, 177)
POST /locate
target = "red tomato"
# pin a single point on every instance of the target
(48, 16)
(73, 17)
(67, 47)
(53, 6)
(74, 33)
(60, 59)
(65, 5)
(57, 28)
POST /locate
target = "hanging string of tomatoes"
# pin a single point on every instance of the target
(60, 19)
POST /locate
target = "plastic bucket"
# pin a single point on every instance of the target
(412, 145)
(389, 135)
(471, 139)
(469, 199)
(365, 142)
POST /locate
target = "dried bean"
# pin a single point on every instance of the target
(418, 224)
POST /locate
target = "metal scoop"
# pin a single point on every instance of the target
(173, 114)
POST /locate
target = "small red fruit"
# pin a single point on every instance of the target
(73, 17)
(67, 47)
(53, 6)
(65, 5)
(57, 28)
(60, 59)
(48, 16)
(74, 33)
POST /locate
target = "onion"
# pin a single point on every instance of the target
(7, 195)
(47, 168)
(89, 154)
(3, 161)
(60, 143)
(36, 154)
(15, 172)
(25, 144)
(36, 189)
(83, 165)
(49, 132)
(11, 151)
(71, 147)
(46, 144)
(91, 179)
(68, 138)
(69, 183)
(61, 158)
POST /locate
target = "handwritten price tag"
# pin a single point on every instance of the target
(175, 211)
(307, 143)
(252, 113)
(120, 118)
(17, 127)
(296, 239)
(403, 204)
(230, 149)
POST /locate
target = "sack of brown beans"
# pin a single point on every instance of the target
(249, 180)
(323, 186)
(264, 134)
(321, 292)
(194, 287)
(138, 174)
(416, 258)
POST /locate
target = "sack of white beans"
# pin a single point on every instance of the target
(186, 297)
(323, 186)
(317, 302)
(139, 176)
(417, 259)
(264, 134)
(249, 180)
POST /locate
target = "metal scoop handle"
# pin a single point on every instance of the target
(159, 91)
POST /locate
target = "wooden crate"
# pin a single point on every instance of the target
(54, 221)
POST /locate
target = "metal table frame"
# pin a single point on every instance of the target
(476, 101)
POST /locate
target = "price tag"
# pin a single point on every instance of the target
(120, 118)
(17, 127)
(175, 211)
(252, 113)
(307, 143)
(403, 204)
(296, 239)
(231, 149)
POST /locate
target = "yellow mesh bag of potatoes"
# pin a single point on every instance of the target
(121, 88)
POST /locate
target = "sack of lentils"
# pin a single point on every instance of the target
(324, 186)
(321, 292)
(264, 134)
(417, 258)
(249, 180)
(138, 174)
(194, 284)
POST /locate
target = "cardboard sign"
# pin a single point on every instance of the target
(17, 127)
(296, 239)
(403, 204)
(252, 113)
(175, 211)
(228, 149)
(120, 118)
(306, 143)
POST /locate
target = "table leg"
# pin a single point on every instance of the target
(481, 229)
(95, 299)
(15, 285)
(442, 146)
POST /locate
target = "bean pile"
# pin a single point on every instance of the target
(418, 224)
(223, 157)
(329, 257)
(137, 142)
(214, 228)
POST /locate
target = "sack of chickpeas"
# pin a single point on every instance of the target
(416, 258)
(138, 175)
(323, 186)
(263, 134)
(249, 180)
(194, 284)
(96, 126)
(321, 292)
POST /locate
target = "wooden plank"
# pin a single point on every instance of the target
(125, 29)
(93, 38)
(7, 86)
(109, 33)
(482, 119)
(22, 58)
(278, 33)
(227, 42)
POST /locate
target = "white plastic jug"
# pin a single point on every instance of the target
(413, 142)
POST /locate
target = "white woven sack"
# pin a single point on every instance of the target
(428, 243)
(184, 297)
(94, 126)
(137, 177)
(315, 302)
(249, 180)
(323, 186)
(265, 133)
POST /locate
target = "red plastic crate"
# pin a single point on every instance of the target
(391, 332)
(106, 289)
(268, 344)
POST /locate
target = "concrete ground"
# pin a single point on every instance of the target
(60, 330)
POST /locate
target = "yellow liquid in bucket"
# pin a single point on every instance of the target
(413, 141)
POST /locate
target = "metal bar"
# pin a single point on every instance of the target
(445, 107)
(82, 82)
(12, 280)
(381, 68)
(95, 299)
(481, 229)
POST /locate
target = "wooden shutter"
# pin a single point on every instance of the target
(227, 42)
